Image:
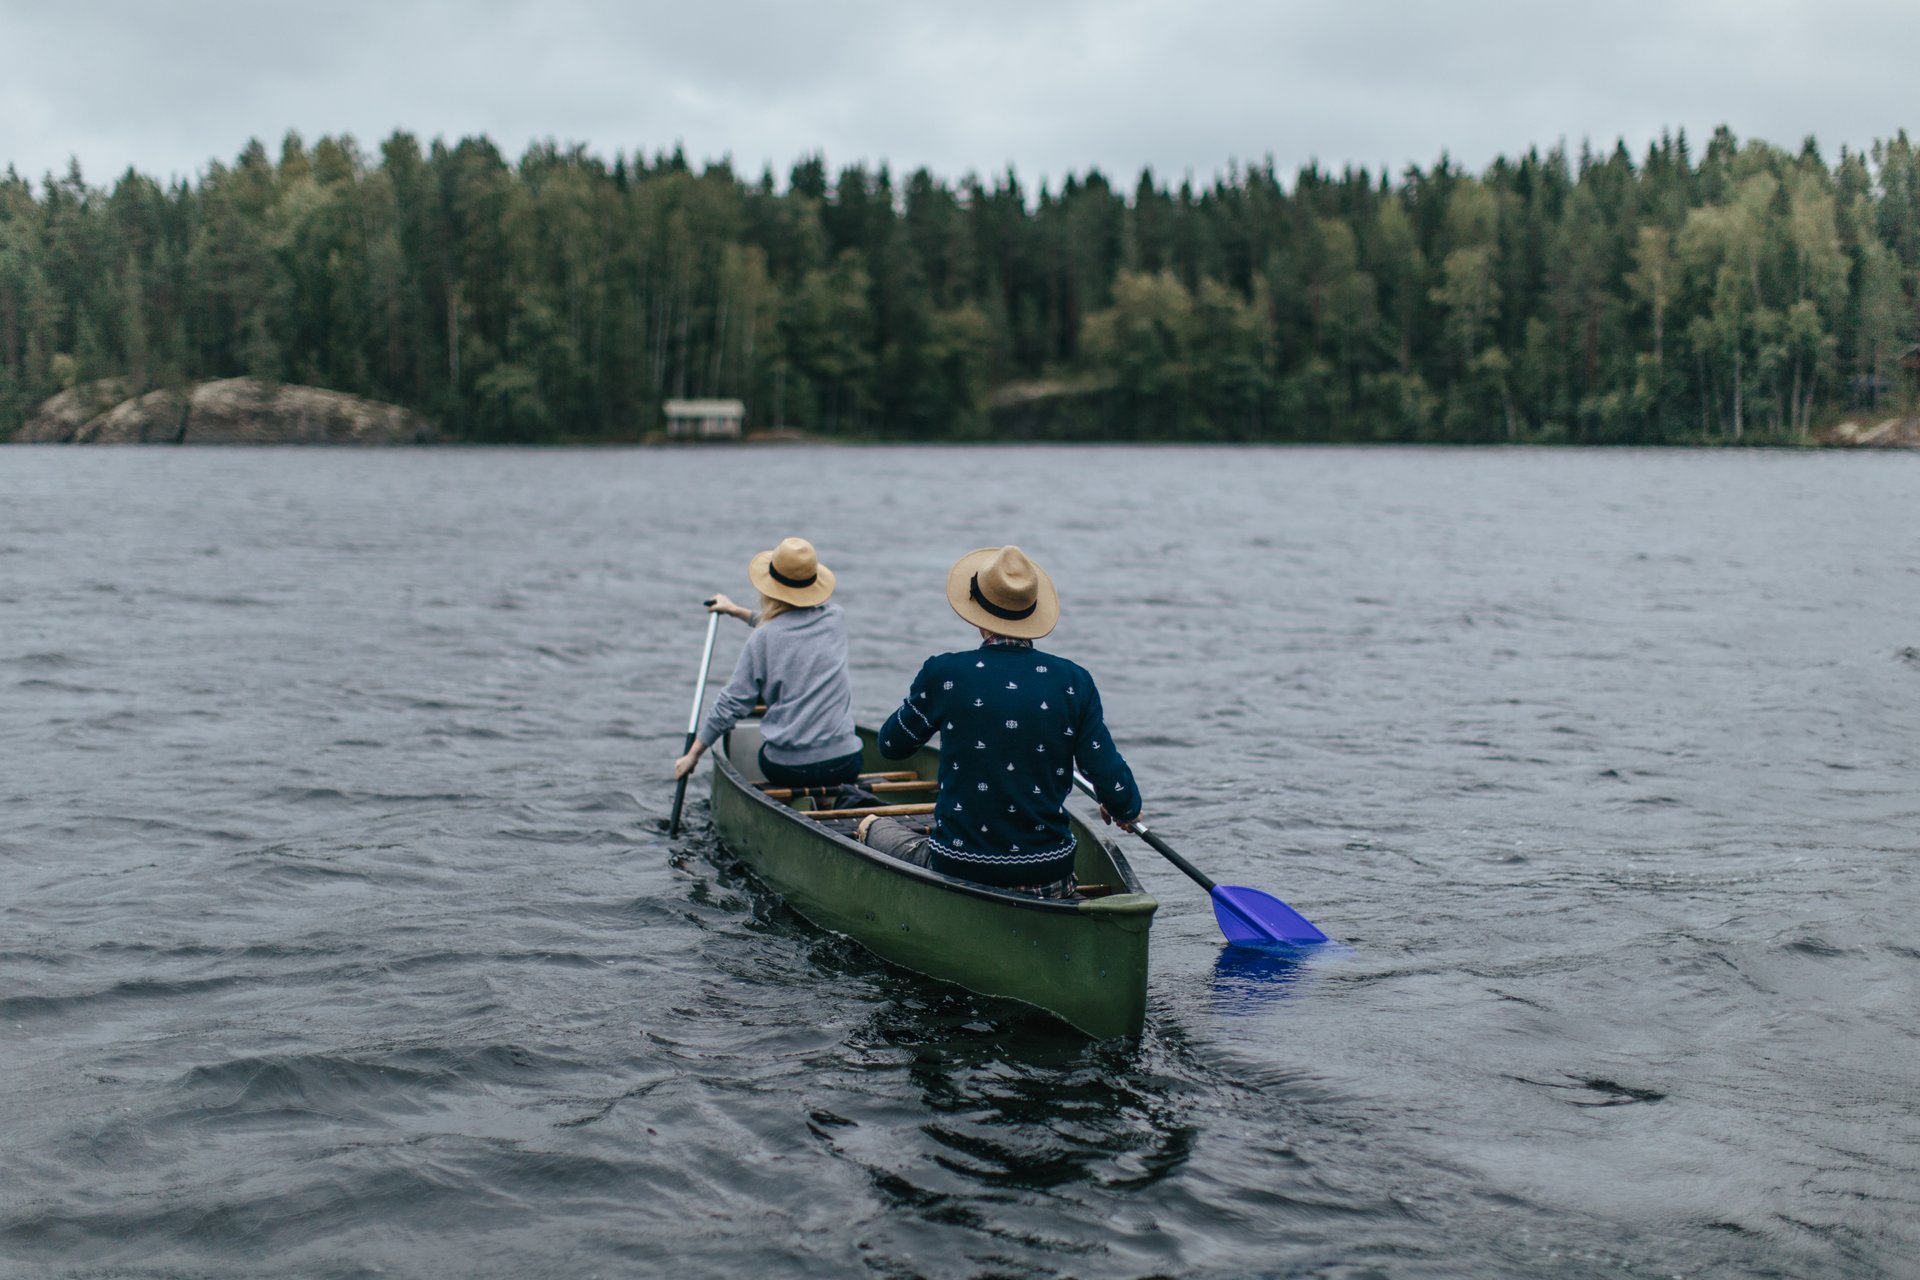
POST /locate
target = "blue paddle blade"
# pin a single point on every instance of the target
(1249, 917)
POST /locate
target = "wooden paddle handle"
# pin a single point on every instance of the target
(878, 811)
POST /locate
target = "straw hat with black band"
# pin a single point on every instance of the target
(792, 573)
(1000, 589)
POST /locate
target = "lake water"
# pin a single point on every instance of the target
(340, 934)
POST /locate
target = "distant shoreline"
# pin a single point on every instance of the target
(1555, 297)
(251, 412)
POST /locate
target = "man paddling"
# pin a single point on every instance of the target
(1014, 723)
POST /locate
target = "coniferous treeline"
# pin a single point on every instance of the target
(1735, 296)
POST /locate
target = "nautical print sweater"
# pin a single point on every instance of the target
(1013, 723)
(796, 663)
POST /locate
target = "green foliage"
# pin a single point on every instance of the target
(1738, 297)
(1145, 340)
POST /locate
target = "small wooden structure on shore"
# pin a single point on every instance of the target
(704, 419)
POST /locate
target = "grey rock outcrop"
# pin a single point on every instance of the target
(1889, 433)
(229, 411)
(158, 417)
(58, 420)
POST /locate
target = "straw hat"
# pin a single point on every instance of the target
(793, 573)
(1000, 589)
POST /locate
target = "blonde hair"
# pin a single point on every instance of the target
(771, 609)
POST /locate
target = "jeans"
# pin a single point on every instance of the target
(897, 840)
(821, 773)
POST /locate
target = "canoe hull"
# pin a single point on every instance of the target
(1084, 961)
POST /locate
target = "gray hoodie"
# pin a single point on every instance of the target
(795, 663)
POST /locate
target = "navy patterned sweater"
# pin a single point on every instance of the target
(1013, 723)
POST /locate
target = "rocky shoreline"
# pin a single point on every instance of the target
(1889, 433)
(229, 411)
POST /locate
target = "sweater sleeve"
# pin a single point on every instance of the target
(909, 727)
(1097, 757)
(740, 696)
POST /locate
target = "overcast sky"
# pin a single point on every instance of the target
(1047, 86)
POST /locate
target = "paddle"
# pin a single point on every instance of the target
(693, 721)
(1246, 916)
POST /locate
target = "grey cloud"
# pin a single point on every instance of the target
(1050, 88)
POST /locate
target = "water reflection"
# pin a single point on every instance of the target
(1247, 980)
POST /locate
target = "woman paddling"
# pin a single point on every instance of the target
(795, 664)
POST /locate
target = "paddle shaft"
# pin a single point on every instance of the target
(1166, 851)
(1257, 917)
(1160, 846)
(693, 722)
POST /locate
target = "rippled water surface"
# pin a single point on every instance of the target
(340, 933)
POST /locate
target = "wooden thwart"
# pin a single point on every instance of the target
(821, 793)
(883, 811)
(897, 775)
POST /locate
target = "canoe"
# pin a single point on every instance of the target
(1082, 959)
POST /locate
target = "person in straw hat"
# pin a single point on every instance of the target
(795, 663)
(1014, 723)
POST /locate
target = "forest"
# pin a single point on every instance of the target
(1746, 294)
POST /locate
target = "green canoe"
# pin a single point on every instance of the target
(1083, 960)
